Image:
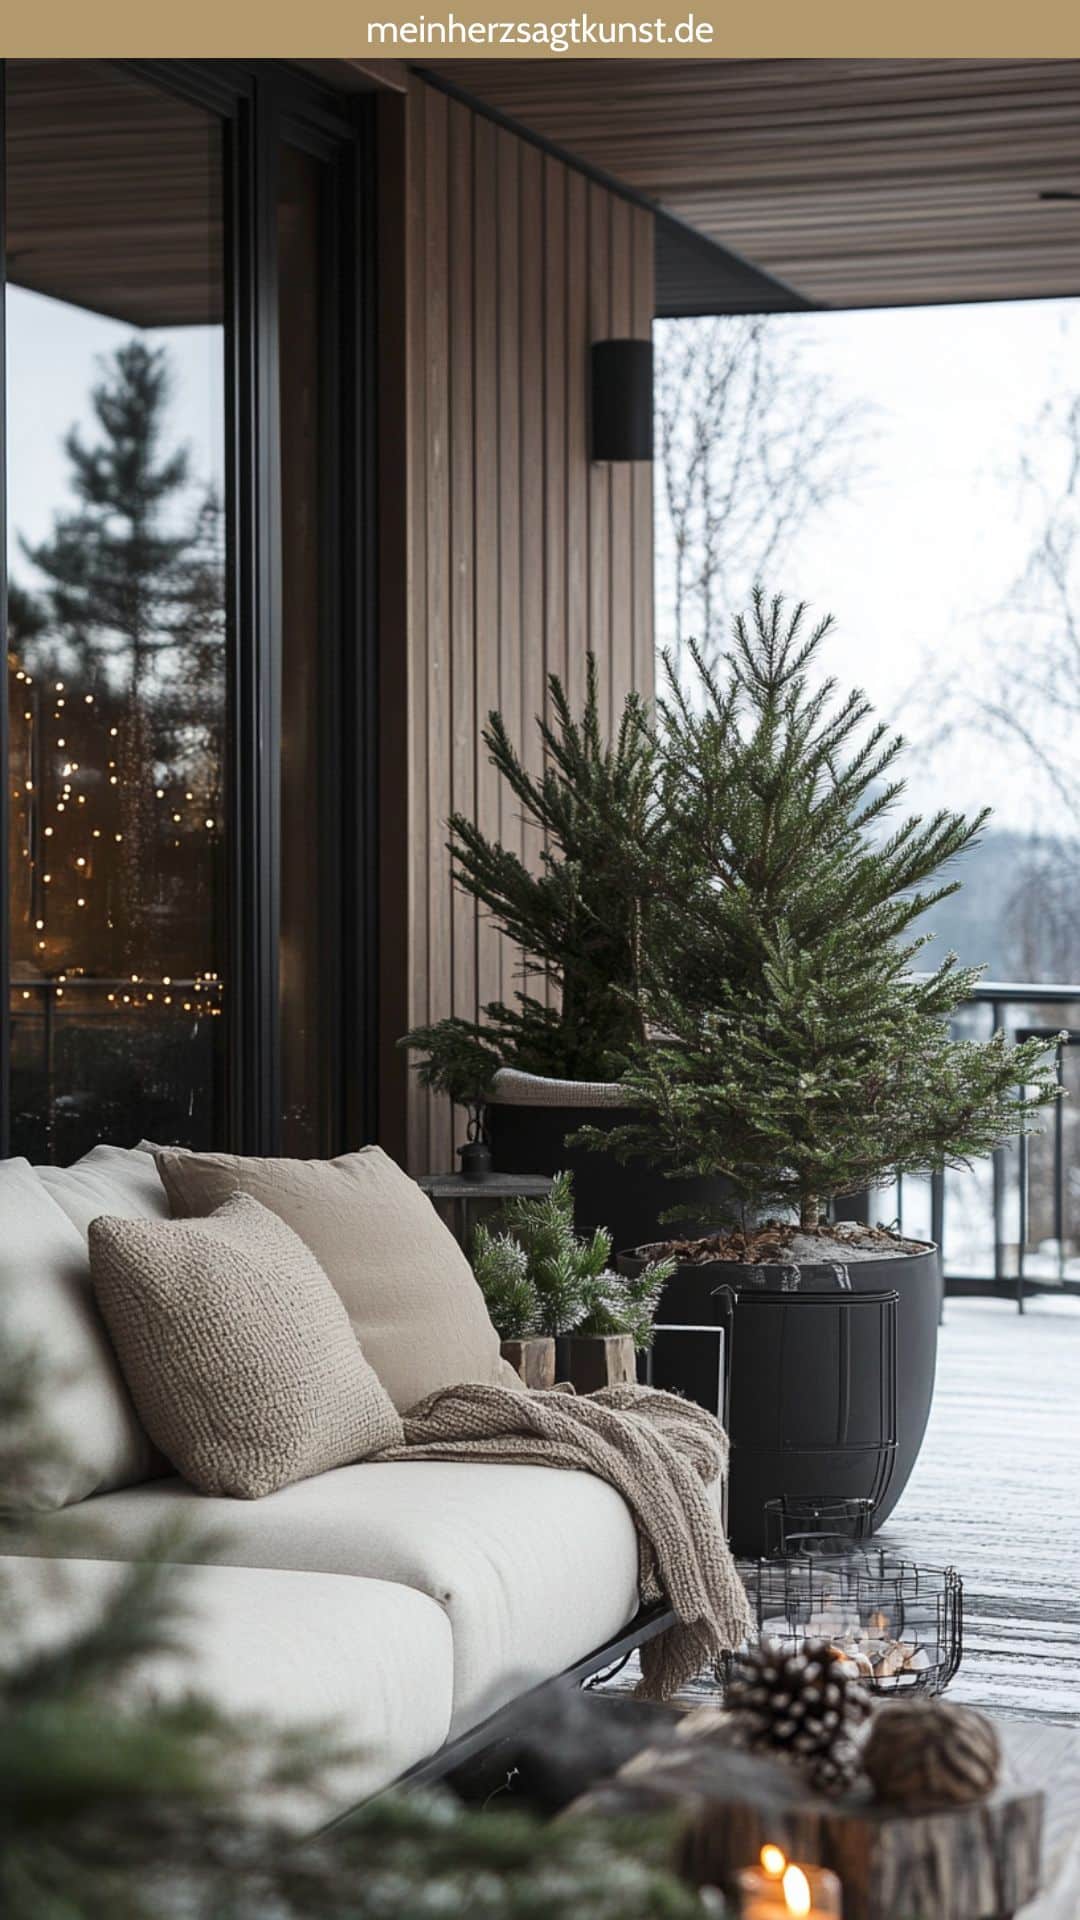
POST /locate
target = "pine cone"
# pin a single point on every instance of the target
(797, 1705)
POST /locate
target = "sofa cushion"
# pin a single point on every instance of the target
(535, 1566)
(293, 1648)
(408, 1288)
(237, 1351)
(46, 1305)
(117, 1180)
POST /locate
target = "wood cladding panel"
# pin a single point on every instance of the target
(858, 182)
(521, 555)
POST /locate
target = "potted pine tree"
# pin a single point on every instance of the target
(795, 1051)
(580, 923)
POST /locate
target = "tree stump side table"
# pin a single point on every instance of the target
(976, 1862)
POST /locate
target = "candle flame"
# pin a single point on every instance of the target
(796, 1892)
(880, 1622)
(773, 1861)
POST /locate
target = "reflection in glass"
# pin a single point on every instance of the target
(117, 610)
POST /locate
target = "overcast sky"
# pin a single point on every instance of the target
(54, 351)
(934, 535)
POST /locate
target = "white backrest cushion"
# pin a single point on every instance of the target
(121, 1181)
(46, 1306)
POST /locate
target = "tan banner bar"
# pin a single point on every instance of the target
(387, 30)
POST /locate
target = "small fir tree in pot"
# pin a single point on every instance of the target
(798, 1054)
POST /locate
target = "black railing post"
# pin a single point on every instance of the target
(937, 1229)
(999, 1171)
(1059, 1164)
(1025, 1162)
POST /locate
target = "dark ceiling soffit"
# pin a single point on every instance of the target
(694, 275)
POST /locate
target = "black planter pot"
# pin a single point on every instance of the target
(827, 1378)
(628, 1198)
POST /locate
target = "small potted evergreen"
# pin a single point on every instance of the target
(795, 1051)
(554, 1298)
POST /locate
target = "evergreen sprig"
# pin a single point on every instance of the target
(539, 1276)
(501, 1266)
(798, 1054)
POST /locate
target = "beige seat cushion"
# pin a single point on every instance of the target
(293, 1649)
(535, 1566)
(237, 1352)
(407, 1287)
(46, 1306)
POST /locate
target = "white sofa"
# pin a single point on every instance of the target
(405, 1601)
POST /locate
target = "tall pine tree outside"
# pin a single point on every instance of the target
(797, 1047)
(117, 686)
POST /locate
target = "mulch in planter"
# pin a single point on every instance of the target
(781, 1243)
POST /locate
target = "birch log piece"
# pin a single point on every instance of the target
(593, 1360)
(979, 1862)
(533, 1359)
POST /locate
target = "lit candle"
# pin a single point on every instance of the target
(777, 1889)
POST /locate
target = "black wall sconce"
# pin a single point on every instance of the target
(622, 400)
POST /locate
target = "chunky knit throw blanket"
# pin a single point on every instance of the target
(662, 1454)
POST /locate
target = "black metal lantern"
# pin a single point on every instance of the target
(622, 400)
(475, 1155)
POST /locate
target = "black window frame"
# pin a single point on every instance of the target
(261, 106)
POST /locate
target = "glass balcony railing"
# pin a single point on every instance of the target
(1009, 1225)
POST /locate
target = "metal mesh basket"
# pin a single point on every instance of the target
(898, 1627)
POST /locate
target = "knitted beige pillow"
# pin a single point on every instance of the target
(236, 1350)
(409, 1290)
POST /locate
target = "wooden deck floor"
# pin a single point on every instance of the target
(996, 1494)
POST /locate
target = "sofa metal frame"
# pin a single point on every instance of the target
(507, 1721)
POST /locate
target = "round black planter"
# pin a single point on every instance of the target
(807, 1393)
(628, 1198)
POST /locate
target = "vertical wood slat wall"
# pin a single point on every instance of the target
(519, 553)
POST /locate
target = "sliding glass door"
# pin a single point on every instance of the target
(117, 550)
(174, 417)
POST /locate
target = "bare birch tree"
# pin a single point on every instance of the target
(1025, 699)
(752, 444)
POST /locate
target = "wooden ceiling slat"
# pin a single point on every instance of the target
(857, 182)
(114, 197)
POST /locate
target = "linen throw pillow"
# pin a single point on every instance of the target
(47, 1310)
(409, 1290)
(236, 1350)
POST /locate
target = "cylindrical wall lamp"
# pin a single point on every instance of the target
(622, 400)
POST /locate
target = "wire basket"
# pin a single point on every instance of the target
(895, 1626)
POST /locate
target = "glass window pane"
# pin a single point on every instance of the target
(117, 615)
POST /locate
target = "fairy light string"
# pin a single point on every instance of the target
(108, 855)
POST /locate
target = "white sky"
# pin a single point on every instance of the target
(934, 535)
(52, 365)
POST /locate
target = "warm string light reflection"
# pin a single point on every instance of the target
(58, 784)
